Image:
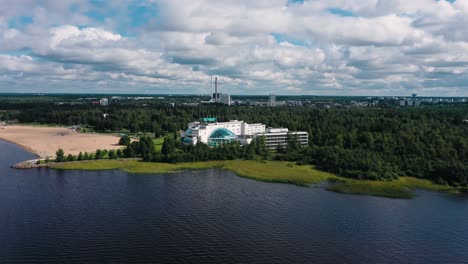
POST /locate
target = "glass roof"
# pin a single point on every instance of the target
(209, 119)
(222, 133)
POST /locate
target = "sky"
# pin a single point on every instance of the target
(332, 47)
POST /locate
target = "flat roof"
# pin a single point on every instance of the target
(209, 119)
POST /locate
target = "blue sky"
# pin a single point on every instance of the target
(336, 47)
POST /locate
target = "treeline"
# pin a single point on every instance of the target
(322, 124)
(174, 150)
(142, 148)
(371, 143)
(61, 156)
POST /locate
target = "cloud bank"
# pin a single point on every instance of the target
(336, 47)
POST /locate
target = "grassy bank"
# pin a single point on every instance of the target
(271, 171)
(401, 188)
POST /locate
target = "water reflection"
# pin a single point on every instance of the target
(214, 216)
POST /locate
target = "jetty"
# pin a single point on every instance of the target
(29, 164)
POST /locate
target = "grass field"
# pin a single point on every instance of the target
(158, 142)
(271, 171)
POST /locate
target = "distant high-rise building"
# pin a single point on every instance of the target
(104, 102)
(272, 100)
(225, 99)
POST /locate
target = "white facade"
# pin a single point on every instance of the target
(214, 133)
(252, 129)
(278, 137)
(277, 130)
(104, 102)
(201, 131)
(225, 99)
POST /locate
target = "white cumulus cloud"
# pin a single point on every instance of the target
(314, 47)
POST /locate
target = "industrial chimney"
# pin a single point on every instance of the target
(216, 90)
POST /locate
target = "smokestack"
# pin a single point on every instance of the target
(211, 87)
(216, 90)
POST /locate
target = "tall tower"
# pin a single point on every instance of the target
(211, 87)
(216, 90)
(272, 100)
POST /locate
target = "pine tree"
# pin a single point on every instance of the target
(112, 154)
(60, 155)
(70, 157)
(98, 154)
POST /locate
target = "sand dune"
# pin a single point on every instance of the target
(44, 141)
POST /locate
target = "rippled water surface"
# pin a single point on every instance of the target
(214, 216)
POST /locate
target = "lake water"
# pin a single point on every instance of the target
(214, 216)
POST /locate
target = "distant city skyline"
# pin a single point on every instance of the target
(330, 48)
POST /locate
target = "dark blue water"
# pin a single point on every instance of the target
(214, 217)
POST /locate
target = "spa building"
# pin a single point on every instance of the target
(213, 133)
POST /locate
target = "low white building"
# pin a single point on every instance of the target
(279, 137)
(213, 133)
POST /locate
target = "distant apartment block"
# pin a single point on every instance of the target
(272, 100)
(225, 99)
(104, 102)
(409, 103)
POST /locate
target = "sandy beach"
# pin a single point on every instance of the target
(45, 141)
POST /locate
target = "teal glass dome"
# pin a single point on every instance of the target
(188, 132)
(220, 136)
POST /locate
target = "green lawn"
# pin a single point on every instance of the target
(158, 142)
(270, 171)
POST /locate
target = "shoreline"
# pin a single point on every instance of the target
(28, 149)
(273, 171)
(266, 171)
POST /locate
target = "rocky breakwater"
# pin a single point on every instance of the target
(29, 164)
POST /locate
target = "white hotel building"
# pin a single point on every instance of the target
(213, 133)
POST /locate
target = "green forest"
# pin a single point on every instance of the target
(428, 142)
